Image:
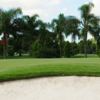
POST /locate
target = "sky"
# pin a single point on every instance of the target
(49, 9)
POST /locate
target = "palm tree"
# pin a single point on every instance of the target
(30, 31)
(72, 27)
(58, 26)
(43, 31)
(6, 20)
(87, 22)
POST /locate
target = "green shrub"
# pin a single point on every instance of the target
(43, 50)
(67, 49)
(74, 49)
(11, 50)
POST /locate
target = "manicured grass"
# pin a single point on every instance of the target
(88, 56)
(12, 69)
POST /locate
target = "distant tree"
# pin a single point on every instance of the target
(72, 27)
(31, 23)
(91, 47)
(88, 21)
(43, 31)
(58, 25)
(6, 24)
(45, 47)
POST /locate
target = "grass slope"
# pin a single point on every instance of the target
(12, 69)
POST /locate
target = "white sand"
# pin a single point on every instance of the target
(52, 88)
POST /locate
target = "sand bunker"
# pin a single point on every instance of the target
(52, 88)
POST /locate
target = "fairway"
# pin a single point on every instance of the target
(12, 69)
(18, 63)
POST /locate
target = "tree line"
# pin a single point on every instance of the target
(23, 33)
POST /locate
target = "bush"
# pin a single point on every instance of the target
(42, 50)
(11, 50)
(74, 49)
(67, 49)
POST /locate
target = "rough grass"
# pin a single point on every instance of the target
(13, 69)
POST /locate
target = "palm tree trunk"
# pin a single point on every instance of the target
(60, 52)
(85, 45)
(7, 43)
(4, 49)
(30, 49)
(85, 51)
(20, 54)
(7, 48)
(60, 46)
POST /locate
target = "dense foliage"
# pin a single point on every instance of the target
(10, 50)
(67, 49)
(74, 49)
(43, 50)
(91, 47)
(70, 49)
(27, 34)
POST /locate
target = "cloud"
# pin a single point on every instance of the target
(89, 36)
(96, 7)
(46, 9)
(68, 39)
(64, 10)
(86, 2)
(54, 2)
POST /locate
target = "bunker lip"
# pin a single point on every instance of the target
(43, 76)
(52, 88)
